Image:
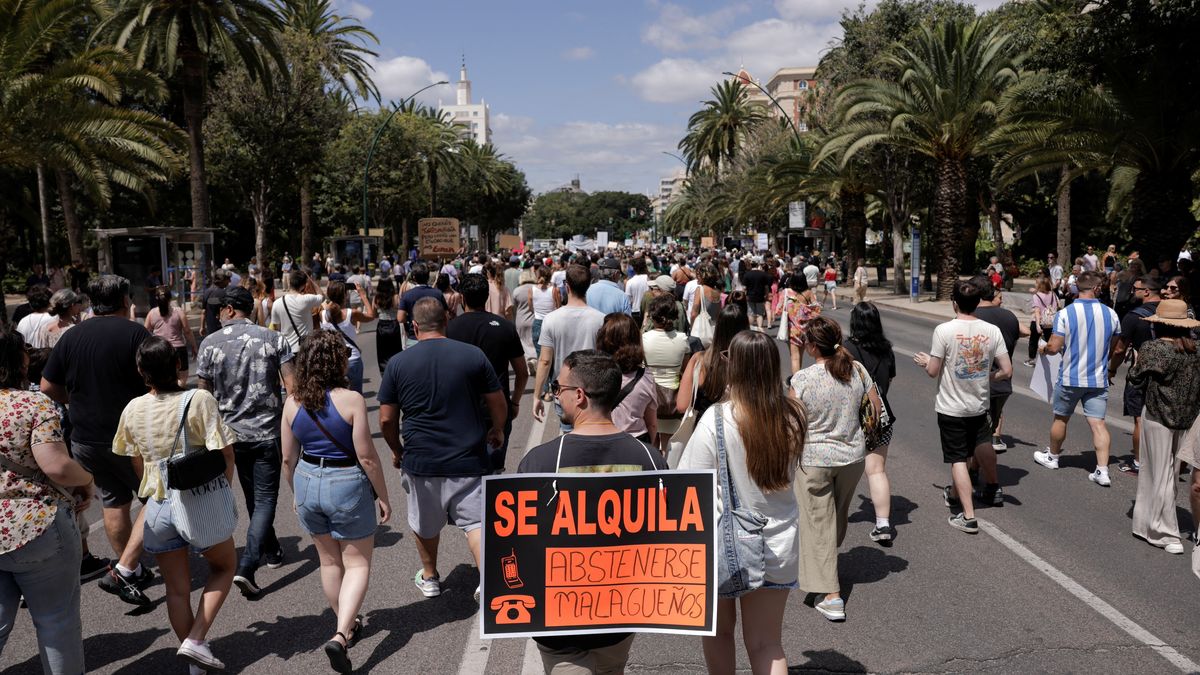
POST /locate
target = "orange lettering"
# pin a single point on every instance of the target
(504, 514)
(691, 512)
(526, 510)
(564, 517)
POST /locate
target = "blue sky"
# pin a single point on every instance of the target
(594, 89)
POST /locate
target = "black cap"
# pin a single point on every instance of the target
(238, 298)
(609, 264)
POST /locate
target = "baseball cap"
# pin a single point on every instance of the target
(663, 282)
(609, 264)
(238, 298)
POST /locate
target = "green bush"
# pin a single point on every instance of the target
(1030, 267)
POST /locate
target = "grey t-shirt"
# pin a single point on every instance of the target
(570, 329)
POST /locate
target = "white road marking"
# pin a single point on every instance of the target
(476, 651)
(1091, 600)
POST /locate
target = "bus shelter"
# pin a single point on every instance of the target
(180, 257)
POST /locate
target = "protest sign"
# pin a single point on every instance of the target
(510, 242)
(568, 554)
(438, 237)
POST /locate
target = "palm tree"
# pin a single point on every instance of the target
(179, 37)
(87, 138)
(716, 131)
(341, 57)
(944, 105)
(440, 147)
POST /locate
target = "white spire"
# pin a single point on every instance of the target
(464, 84)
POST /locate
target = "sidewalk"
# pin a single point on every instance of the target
(1016, 301)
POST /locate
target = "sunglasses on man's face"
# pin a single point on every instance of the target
(556, 388)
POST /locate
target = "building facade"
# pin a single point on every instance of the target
(473, 118)
(668, 187)
(789, 86)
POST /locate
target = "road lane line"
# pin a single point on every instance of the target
(1091, 600)
(476, 651)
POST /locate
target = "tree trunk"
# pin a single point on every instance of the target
(404, 238)
(854, 219)
(306, 232)
(1161, 215)
(433, 187)
(1064, 219)
(260, 208)
(44, 210)
(193, 80)
(74, 227)
(949, 215)
(898, 255)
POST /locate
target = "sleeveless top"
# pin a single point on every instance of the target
(315, 443)
(348, 333)
(543, 301)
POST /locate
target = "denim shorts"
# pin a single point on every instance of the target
(160, 534)
(1095, 400)
(334, 500)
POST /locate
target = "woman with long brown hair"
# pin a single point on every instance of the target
(761, 433)
(705, 371)
(834, 449)
(330, 461)
(342, 322)
(636, 411)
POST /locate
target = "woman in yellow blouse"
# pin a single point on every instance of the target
(148, 432)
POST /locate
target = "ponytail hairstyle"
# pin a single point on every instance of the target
(826, 336)
(336, 294)
(621, 338)
(162, 300)
(771, 424)
(543, 277)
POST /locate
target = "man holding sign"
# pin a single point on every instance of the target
(587, 387)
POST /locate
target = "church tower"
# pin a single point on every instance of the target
(464, 85)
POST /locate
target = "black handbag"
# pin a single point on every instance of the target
(191, 469)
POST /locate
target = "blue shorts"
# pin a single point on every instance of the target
(1095, 400)
(334, 500)
(160, 534)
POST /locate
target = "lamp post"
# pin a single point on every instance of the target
(375, 141)
(671, 154)
(766, 93)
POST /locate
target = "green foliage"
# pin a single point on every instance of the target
(565, 214)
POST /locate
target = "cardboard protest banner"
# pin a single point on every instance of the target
(510, 242)
(438, 237)
(570, 554)
(707, 242)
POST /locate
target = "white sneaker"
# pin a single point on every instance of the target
(198, 653)
(430, 588)
(1044, 458)
(1100, 479)
(1175, 547)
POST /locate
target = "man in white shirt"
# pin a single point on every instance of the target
(292, 314)
(961, 359)
(1090, 260)
(30, 326)
(1056, 271)
(812, 274)
(636, 287)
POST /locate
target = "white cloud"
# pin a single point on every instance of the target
(817, 10)
(579, 54)
(360, 11)
(766, 46)
(516, 124)
(677, 30)
(677, 80)
(400, 76)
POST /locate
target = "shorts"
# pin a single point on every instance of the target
(434, 501)
(116, 481)
(758, 308)
(996, 409)
(1095, 400)
(885, 438)
(161, 535)
(181, 355)
(830, 285)
(334, 500)
(961, 435)
(1135, 400)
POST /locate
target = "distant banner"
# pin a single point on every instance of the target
(510, 242)
(572, 554)
(707, 242)
(438, 237)
(797, 215)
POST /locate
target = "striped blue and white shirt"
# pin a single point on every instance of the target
(1087, 327)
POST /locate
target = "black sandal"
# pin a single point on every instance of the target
(339, 660)
(355, 632)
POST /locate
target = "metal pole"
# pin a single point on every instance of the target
(375, 141)
(766, 93)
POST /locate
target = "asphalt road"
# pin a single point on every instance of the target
(1054, 583)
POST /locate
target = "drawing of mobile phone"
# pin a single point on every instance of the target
(509, 564)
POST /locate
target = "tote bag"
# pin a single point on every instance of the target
(742, 558)
(704, 325)
(205, 515)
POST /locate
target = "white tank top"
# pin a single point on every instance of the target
(543, 301)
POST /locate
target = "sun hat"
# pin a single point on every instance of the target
(663, 282)
(1173, 313)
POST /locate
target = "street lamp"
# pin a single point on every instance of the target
(375, 141)
(671, 154)
(766, 93)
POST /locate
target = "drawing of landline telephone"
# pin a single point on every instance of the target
(512, 609)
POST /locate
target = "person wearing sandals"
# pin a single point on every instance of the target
(152, 428)
(40, 549)
(334, 470)
(831, 390)
(331, 464)
(870, 347)
(760, 433)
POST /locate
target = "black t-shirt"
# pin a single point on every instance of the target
(881, 367)
(591, 454)
(212, 299)
(1135, 332)
(438, 383)
(756, 282)
(495, 335)
(1010, 328)
(410, 298)
(97, 363)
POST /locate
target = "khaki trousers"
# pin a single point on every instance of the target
(824, 495)
(601, 661)
(1154, 516)
(860, 294)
